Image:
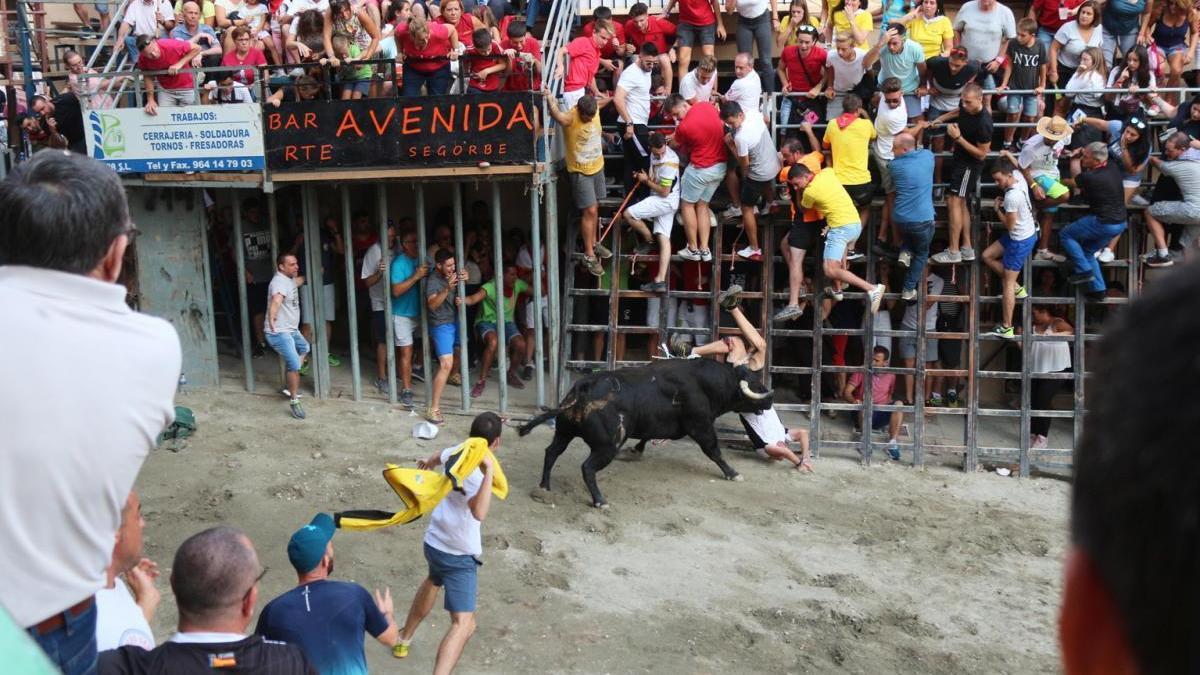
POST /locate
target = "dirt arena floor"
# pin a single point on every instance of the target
(851, 569)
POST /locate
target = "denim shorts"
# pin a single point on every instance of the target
(839, 238)
(458, 574)
(290, 345)
(444, 338)
(510, 329)
(699, 185)
(1016, 252)
(689, 35)
(1026, 104)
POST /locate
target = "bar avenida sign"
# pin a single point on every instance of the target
(427, 131)
(196, 138)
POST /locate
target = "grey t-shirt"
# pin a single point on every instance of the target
(755, 142)
(288, 318)
(436, 283)
(982, 31)
(1187, 175)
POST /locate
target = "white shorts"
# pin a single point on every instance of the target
(570, 98)
(329, 304)
(661, 209)
(404, 327)
(529, 309)
(766, 428)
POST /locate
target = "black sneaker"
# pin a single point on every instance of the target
(1080, 278)
(730, 298)
(297, 411)
(1158, 260)
(527, 372)
(884, 249)
(418, 373)
(655, 287)
(258, 350)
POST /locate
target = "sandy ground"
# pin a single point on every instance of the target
(866, 570)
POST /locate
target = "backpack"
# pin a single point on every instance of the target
(183, 426)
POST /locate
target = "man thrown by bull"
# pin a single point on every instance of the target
(766, 431)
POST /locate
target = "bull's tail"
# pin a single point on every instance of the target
(538, 421)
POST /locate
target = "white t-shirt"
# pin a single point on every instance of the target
(753, 140)
(889, 122)
(747, 92)
(1016, 200)
(70, 454)
(692, 91)
(287, 319)
(1042, 159)
(1073, 43)
(119, 620)
(636, 83)
(370, 265)
(256, 15)
(933, 286)
(665, 171)
(1086, 84)
(452, 527)
(142, 16)
(752, 9)
(982, 31)
(846, 74)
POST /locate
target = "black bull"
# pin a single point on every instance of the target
(667, 399)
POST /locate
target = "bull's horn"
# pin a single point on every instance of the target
(751, 394)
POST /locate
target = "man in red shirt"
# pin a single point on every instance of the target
(525, 58)
(701, 136)
(642, 28)
(580, 76)
(174, 88)
(699, 21)
(612, 53)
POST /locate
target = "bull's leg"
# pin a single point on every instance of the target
(600, 457)
(635, 453)
(561, 440)
(706, 438)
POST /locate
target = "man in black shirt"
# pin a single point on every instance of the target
(63, 115)
(1100, 180)
(215, 580)
(971, 136)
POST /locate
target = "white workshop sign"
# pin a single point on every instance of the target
(196, 138)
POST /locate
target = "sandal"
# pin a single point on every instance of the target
(454, 379)
(435, 415)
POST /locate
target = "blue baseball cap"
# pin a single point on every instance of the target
(307, 546)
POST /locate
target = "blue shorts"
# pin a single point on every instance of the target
(839, 238)
(879, 419)
(700, 184)
(1026, 104)
(510, 329)
(444, 338)
(290, 345)
(1016, 252)
(362, 87)
(458, 574)
(689, 35)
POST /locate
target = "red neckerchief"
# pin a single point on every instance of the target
(846, 119)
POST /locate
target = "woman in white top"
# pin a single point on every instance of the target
(1090, 76)
(1046, 357)
(1069, 42)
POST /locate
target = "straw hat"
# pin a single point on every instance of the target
(1054, 128)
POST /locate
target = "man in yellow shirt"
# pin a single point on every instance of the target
(849, 136)
(824, 192)
(585, 169)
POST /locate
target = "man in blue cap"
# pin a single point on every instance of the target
(326, 618)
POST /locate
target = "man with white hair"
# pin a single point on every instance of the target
(1100, 179)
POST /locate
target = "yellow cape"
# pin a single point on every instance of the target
(421, 490)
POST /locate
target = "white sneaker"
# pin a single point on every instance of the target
(948, 257)
(1138, 200)
(690, 254)
(905, 258)
(1047, 254)
(731, 212)
(967, 253)
(1039, 441)
(750, 253)
(1105, 255)
(706, 255)
(909, 295)
(876, 296)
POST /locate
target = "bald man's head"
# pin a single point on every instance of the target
(902, 143)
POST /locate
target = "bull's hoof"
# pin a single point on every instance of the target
(737, 478)
(542, 496)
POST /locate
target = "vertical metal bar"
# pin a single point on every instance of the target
(971, 457)
(538, 292)
(498, 270)
(464, 372)
(272, 216)
(1027, 343)
(614, 300)
(562, 306)
(426, 345)
(766, 236)
(1080, 367)
(243, 300)
(817, 307)
(315, 283)
(389, 327)
(351, 299)
(26, 51)
(919, 374)
(866, 416)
